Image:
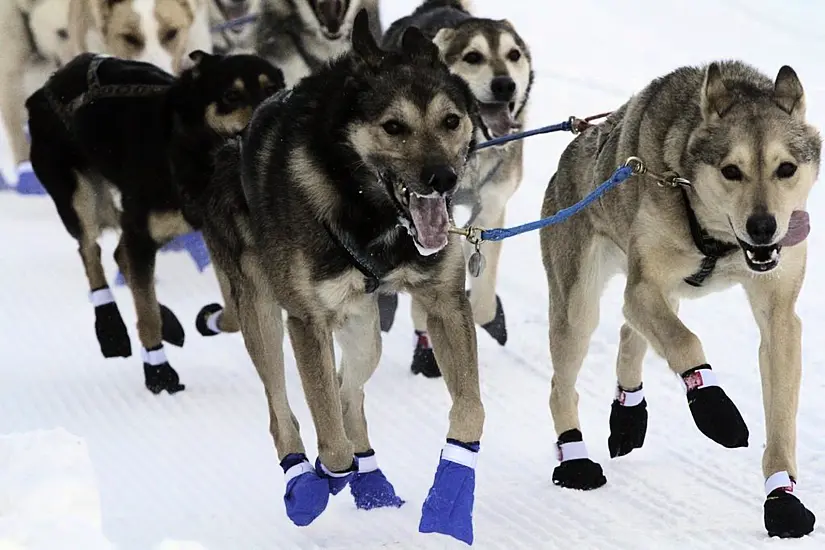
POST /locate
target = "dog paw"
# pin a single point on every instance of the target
(208, 318)
(448, 508)
(423, 357)
(370, 487)
(307, 494)
(172, 330)
(336, 481)
(713, 411)
(497, 328)
(387, 305)
(111, 332)
(786, 516)
(158, 374)
(576, 470)
(628, 422)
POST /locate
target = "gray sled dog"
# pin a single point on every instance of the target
(749, 159)
(325, 201)
(496, 62)
(238, 39)
(300, 36)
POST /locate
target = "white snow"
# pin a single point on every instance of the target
(92, 460)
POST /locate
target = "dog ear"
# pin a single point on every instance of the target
(363, 41)
(415, 44)
(197, 56)
(716, 98)
(788, 92)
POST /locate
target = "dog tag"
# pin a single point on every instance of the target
(476, 263)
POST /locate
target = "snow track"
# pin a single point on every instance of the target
(200, 466)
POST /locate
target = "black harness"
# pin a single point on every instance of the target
(372, 266)
(712, 249)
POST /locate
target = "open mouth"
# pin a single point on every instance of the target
(760, 258)
(498, 117)
(426, 217)
(765, 258)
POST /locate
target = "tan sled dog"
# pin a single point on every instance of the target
(750, 159)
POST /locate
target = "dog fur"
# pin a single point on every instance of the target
(34, 40)
(742, 141)
(161, 32)
(237, 39)
(495, 61)
(301, 36)
(110, 139)
(312, 198)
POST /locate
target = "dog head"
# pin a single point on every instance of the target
(329, 21)
(411, 124)
(494, 60)
(222, 91)
(755, 159)
(48, 21)
(154, 31)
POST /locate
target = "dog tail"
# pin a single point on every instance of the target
(462, 5)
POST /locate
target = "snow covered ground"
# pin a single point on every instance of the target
(90, 460)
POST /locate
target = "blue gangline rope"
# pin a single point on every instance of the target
(565, 126)
(235, 22)
(620, 175)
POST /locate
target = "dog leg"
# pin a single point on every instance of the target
(360, 341)
(448, 507)
(261, 321)
(387, 306)
(110, 329)
(647, 310)
(214, 319)
(628, 413)
(487, 309)
(423, 356)
(780, 362)
(575, 281)
(135, 256)
(313, 348)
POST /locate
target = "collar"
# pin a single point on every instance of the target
(712, 249)
(372, 266)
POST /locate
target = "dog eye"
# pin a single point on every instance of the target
(62, 34)
(731, 172)
(514, 55)
(785, 170)
(452, 121)
(170, 35)
(133, 40)
(393, 127)
(473, 58)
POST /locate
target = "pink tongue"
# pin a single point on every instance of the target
(798, 228)
(431, 221)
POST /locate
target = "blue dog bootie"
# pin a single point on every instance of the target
(337, 480)
(448, 508)
(307, 494)
(369, 487)
(27, 182)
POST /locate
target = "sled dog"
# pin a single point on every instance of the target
(160, 32)
(35, 41)
(239, 38)
(495, 61)
(748, 160)
(110, 139)
(325, 201)
(300, 36)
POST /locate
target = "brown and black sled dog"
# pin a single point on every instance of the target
(110, 140)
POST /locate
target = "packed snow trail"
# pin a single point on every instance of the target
(200, 466)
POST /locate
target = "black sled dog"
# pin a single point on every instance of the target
(110, 140)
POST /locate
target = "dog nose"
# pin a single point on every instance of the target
(761, 228)
(331, 14)
(503, 88)
(440, 177)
